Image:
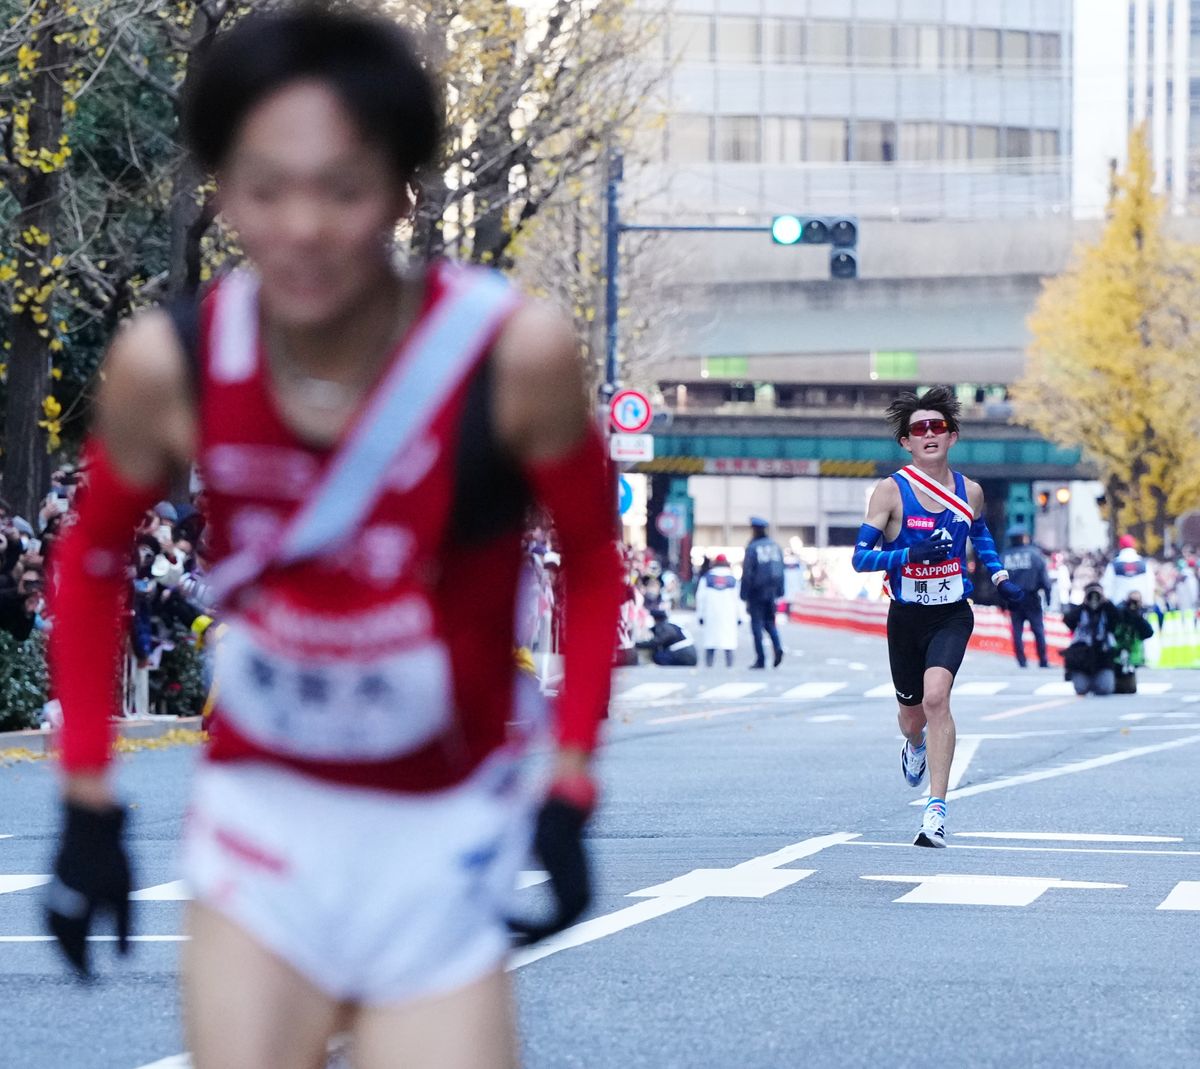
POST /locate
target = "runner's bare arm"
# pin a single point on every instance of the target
(544, 417)
(144, 430)
(883, 521)
(884, 507)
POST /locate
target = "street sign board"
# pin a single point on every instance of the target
(671, 524)
(624, 495)
(630, 411)
(631, 448)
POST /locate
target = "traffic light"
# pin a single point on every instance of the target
(838, 231)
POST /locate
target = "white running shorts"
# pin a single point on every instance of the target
(376, 898)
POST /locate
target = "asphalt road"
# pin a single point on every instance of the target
(760, 905)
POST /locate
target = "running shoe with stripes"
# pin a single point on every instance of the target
(912, 764)
(933, 827)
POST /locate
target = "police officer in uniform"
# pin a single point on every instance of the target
(762, 586)
(1026, 567)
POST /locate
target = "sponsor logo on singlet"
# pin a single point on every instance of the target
(920, 523)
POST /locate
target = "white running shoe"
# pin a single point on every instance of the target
(912, 764)
(933, 829)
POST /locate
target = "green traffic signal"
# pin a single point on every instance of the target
(786, 229)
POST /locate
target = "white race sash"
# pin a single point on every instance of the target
(918, 480)
(443, 348)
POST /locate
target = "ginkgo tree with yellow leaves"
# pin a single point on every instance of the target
(100, 212)
(1114, 366)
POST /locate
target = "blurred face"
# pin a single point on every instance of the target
(929, 437)
(313, 203)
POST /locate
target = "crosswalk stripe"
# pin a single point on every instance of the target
(645, 692)
(1154, 688)
(884, 690)
(1062, 687)
(9, 884)
(980, 687)
(175, 891)
(731, 690)
(813, 690)
(1185, 895)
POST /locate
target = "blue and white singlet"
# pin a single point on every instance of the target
(930, 584)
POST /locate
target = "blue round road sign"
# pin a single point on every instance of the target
(624, 495)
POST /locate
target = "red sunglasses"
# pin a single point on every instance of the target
(923, 426)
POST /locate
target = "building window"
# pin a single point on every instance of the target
(1018, 144)
(828, 43)
(783, 139)
(1045, 144)
(919, 47)
(957, 41)
(691, 38)
(738, 139)
(986, 143)
(874, 142)
(690, 139)
(1016, 50)
(783, 41)
(1047, 49)
(827, 141)
(956, 142)
(986, 54)
(874, 44)
(919, 141)
(737, 40)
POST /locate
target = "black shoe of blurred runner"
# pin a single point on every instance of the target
(758, 664)
(778, 657)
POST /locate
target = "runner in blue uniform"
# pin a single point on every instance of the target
(925, 513)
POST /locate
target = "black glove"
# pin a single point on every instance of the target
(1010, 592)
(91, 875)
(931, 551)
(558, 843)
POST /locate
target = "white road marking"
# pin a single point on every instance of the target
(1021, 710)
(1069, 769)
(1185, 895)
(828, 718)
(813, 690)
(964, 750)
(979, 687)
(725, 883)
(176, 1061)
(645, 692)
(1154, 688)
(7, 835)
(957, 890)
(531, 878)
(1190, 698)
(599, 927)
(884, 690)
(9, 884)
(856, 666)
(175, 891)
(1066, 837)
(1038, 849)
(1134, 716)
(726, 691)
(1179, 716)
(1060, 687)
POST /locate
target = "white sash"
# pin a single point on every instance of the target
(918, 480)
(443, 348)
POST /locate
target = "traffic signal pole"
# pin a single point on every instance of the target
(614, 228)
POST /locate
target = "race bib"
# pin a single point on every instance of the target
(361, 710)
(932, 584)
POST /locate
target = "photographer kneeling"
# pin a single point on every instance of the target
(1096, 626)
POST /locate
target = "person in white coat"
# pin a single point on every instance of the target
(719, 611)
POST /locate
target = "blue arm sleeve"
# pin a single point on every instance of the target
(985, 546)
(869, 559)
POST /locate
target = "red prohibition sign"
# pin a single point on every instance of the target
(630, 411)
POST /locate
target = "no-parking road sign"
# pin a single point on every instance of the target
(630, 411)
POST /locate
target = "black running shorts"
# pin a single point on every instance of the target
(925, 636)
